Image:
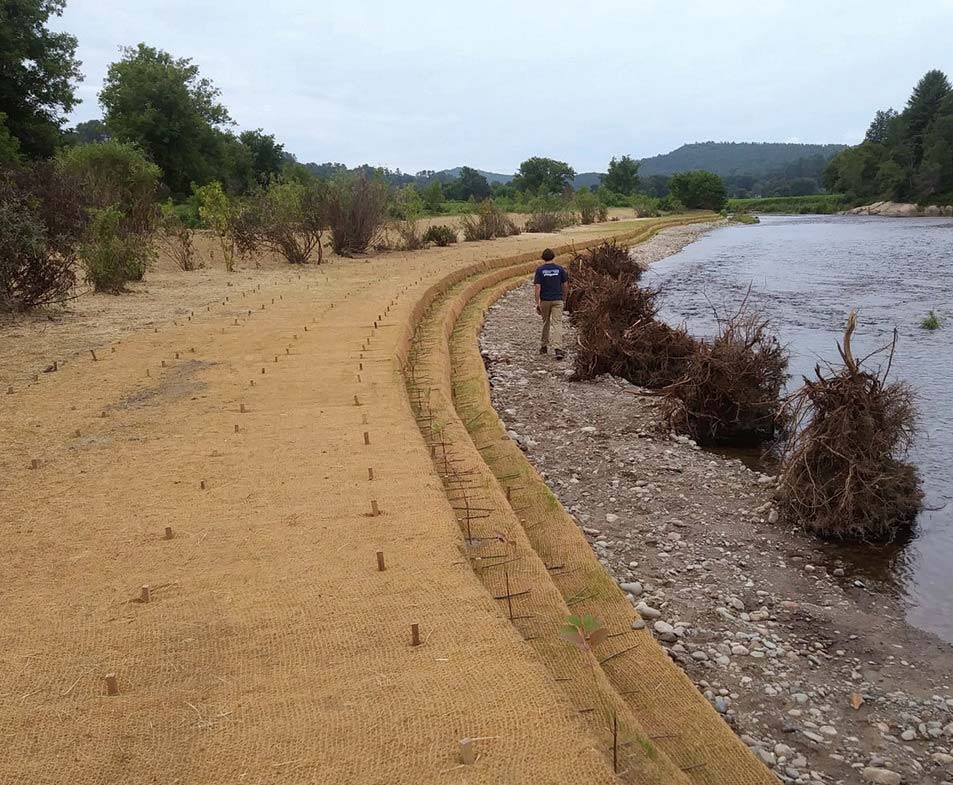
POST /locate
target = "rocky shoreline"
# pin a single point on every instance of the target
(816, 670)
(902, 210)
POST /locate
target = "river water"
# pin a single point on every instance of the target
(807, 273)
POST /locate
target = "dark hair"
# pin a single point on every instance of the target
(548, 255)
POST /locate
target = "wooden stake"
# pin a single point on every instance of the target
(236, 427)
(380, 561)
(112, 685)
(147, 372)
(370, 474)
(375, 510)
(241, 408)
(35, 464)
(10, 390)
(76, 433)
(95, 358)
(367, 438)
(467, 752)
(176, 355)
(202, 485)
(414, 634)
(145, 594)
(169, 534)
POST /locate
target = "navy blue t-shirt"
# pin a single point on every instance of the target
(550, 277)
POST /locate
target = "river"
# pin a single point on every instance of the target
(807, 273)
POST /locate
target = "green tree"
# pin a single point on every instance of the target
(881, 125)
(267, 155)
(469, 185)
(587, 203)
(433, 196)
(699, 190)
(922, 107)
(543, 176)
(162, 104)
(90, 131)
(220, 214)
(38, 72)
(935, 175)
(9, 144)
(623, 176)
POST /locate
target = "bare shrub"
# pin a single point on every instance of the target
(843, 475)
(176, 238)
(602, 213)
(441, 235)
(488, 223)
(287, 218)
(549, 214)
(730, 390)
(610, 259)
(357, 213)
(42, 221)
(617, 333)
(587, 203)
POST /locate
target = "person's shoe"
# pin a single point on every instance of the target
(559, 354)
(543, 350)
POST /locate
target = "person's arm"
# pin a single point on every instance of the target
(536, 289)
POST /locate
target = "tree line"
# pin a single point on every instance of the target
(101, 198)
(906, 156)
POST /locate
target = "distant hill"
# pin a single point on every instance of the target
(446, 175)
(733, 158)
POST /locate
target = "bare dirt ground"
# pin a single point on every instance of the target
(817, 672)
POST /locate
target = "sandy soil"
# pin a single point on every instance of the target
(271, 433)
(779, 644)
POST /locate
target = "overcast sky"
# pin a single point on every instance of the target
(431, 85)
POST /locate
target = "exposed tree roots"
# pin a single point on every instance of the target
(843, 474)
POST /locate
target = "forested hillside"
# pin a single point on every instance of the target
(906, 156)
(733, 158)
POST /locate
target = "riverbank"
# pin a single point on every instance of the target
(902, 210)
(815, 669)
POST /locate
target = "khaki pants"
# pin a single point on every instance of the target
(552, 311)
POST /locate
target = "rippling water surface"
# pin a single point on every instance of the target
(807, 273)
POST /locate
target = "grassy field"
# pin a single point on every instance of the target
(821, 204)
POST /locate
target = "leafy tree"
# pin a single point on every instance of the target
(38, 69)
(922, 107)
(116, 174)
(881, 126)
(433, 196)
(469, 185)
(267, 155)
(699, 190)
(543, 176)
(220, 214)
(162, 104)
(9, 144)
(935, 176)
(587, 203)
(89, 132)
(623, 176)
(656, 186)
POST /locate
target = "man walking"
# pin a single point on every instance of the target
(550, 286)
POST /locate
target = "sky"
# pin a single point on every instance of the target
(432, 85)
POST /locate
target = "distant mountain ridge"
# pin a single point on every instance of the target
(733, 158)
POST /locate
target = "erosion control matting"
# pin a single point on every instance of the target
(198, 515)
